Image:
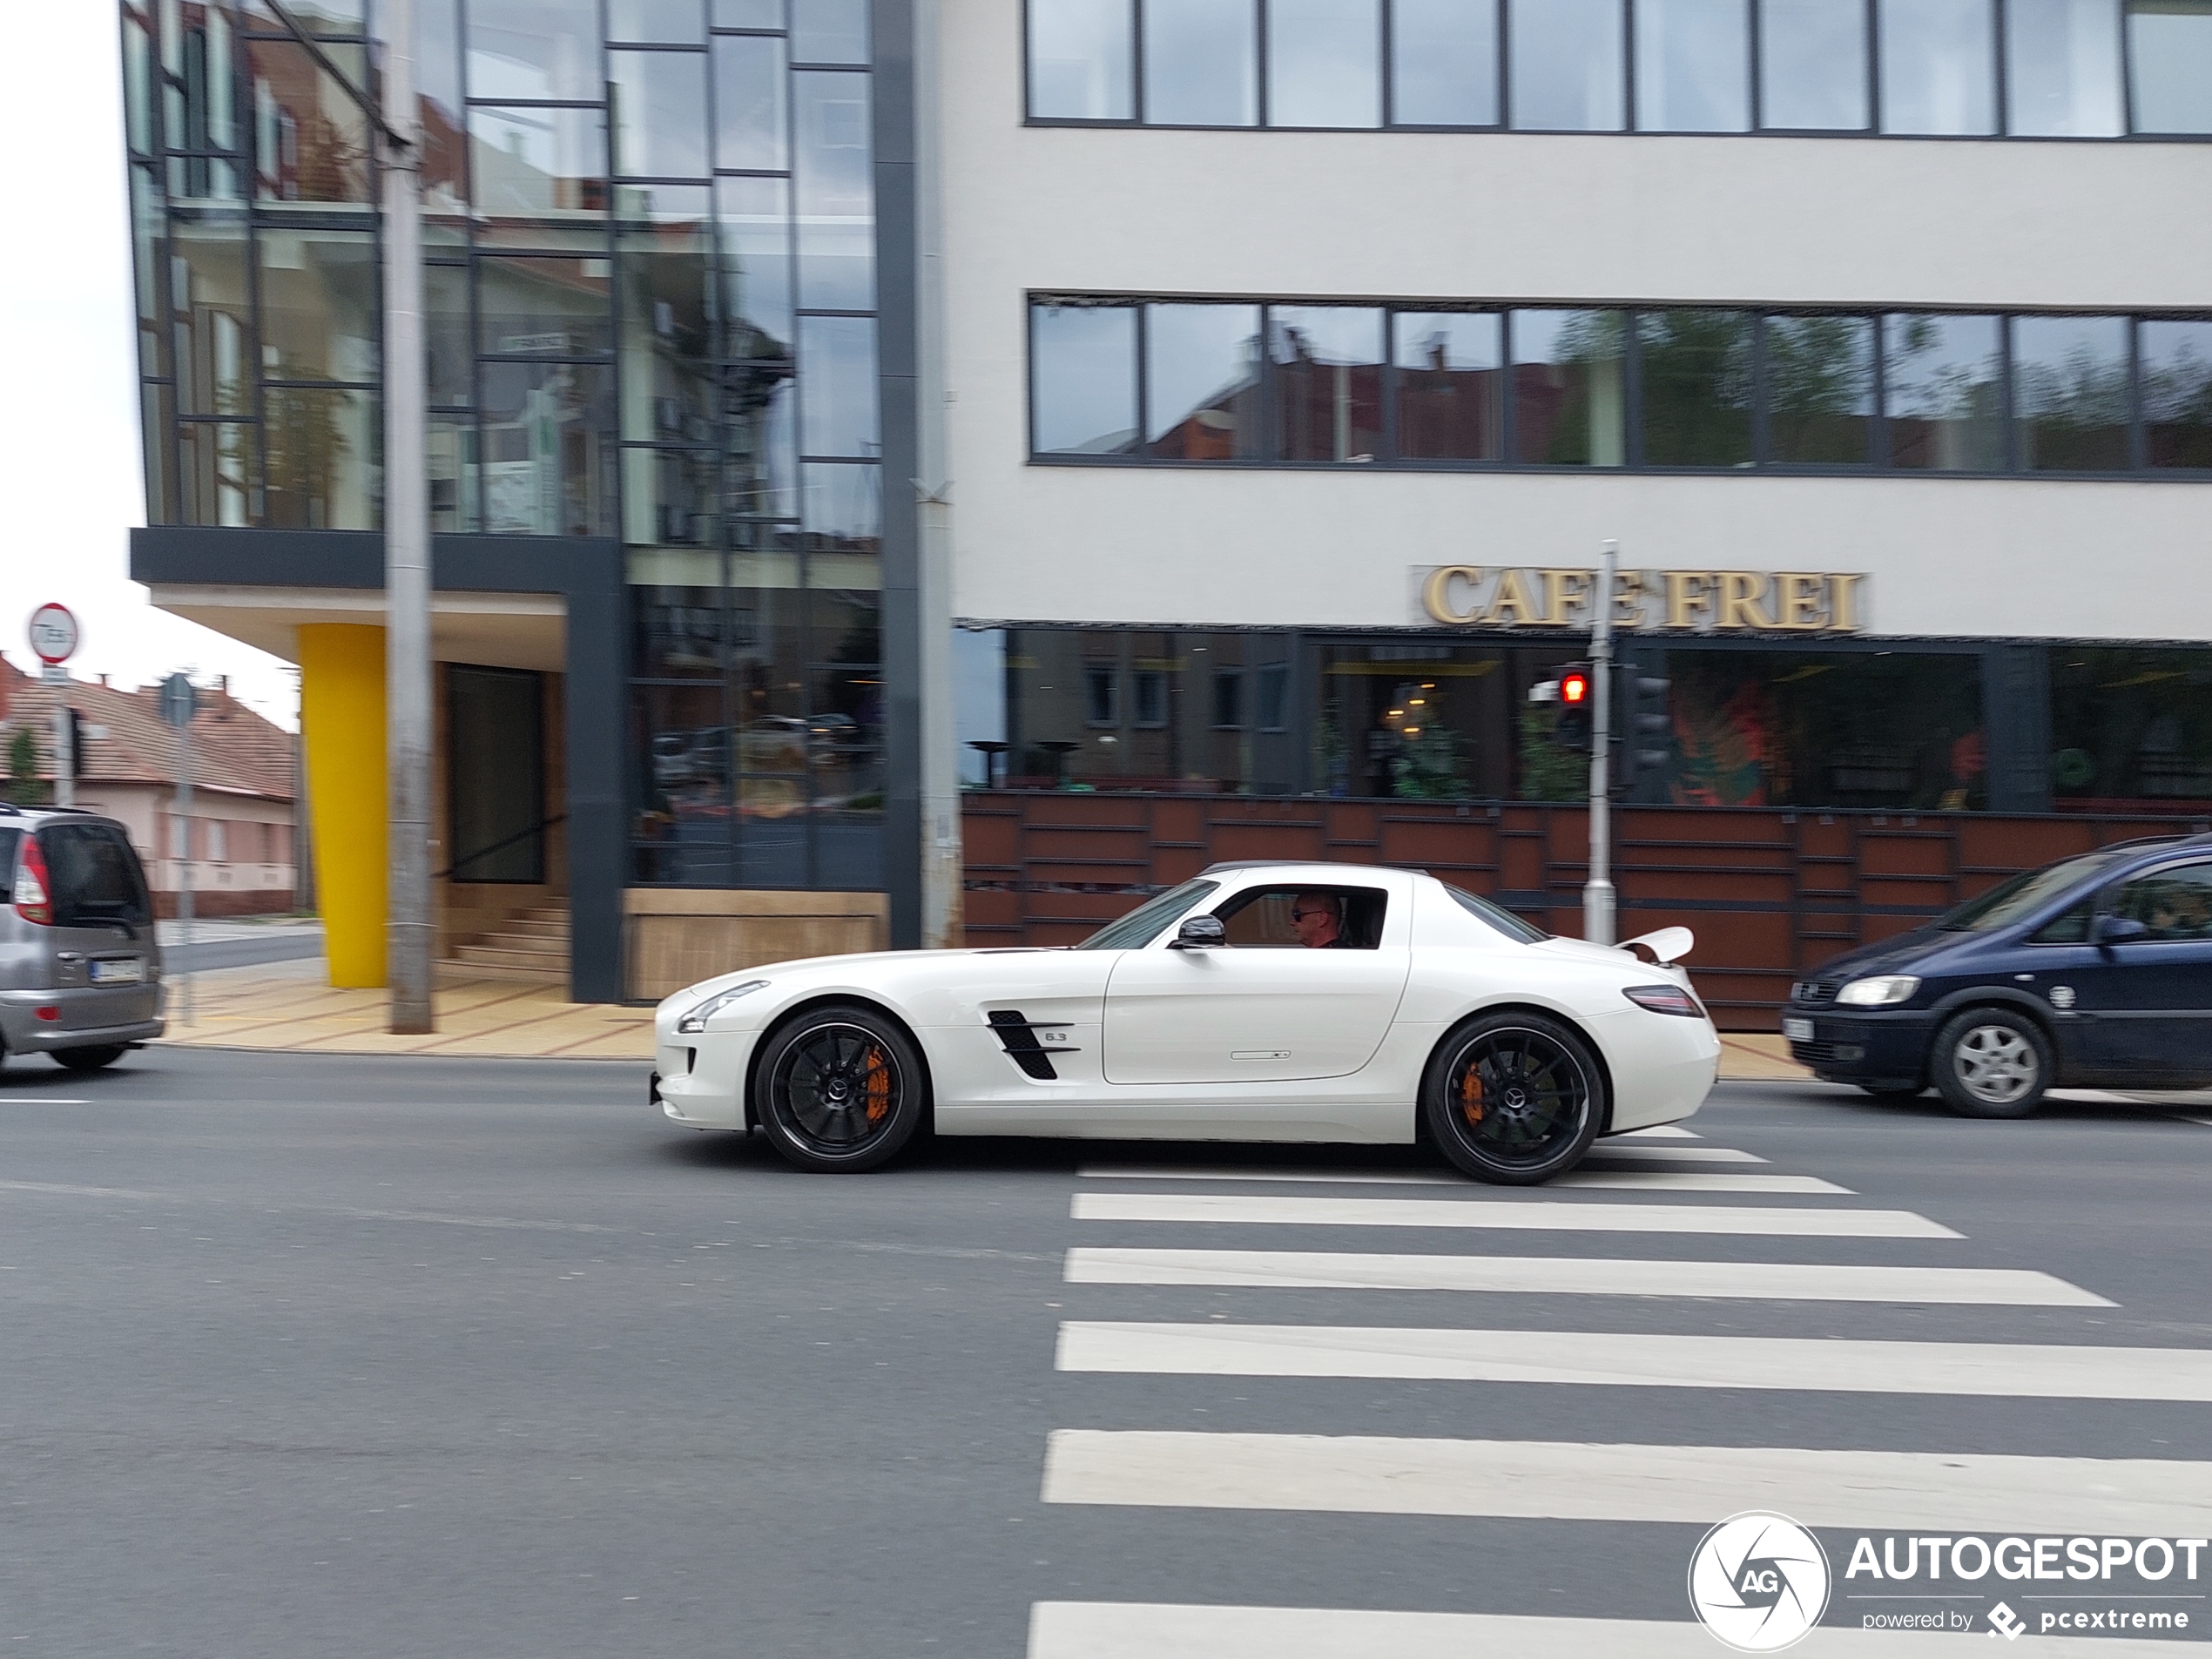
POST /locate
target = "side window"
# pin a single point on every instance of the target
(2174, 903)
(9, 839)
(2069, 926)
(1305, 917)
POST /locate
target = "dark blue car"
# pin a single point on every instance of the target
(2093, 972)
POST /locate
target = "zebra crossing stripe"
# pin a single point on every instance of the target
(1663, 1132)
(1151, 1630)
(1604, 1153)
(2024, 1371)
(1690, 1485)
(1576, 1276)
(1694, 1180)
(1521, 1215)
(1702, 1153)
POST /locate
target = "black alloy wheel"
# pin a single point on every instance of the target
(1514, 1098)
(89, 1059)
(839, 1088)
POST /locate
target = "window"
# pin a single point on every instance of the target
(2070, 392)
(1324, 62)
(180, 837)
(1566, 68)
(1200, 63)
(833, 190)
(1149, 919)
(1819, 390)
(1693, 65)
(2069, 926)
(1202, 379)
(2062, 68)
(1083, 364)
(1152, 697)
(1812, 65)
(659, 107)
(2174, 903)
(1444, 62)
(1696, 369)
(1939, 66)
(2131, 728)
(1273, 689)
(1080, 60)
(1451, 385)
(1946, 399)
(219, 841)
(1327, 395)
(1498, 916)
(1228, 699)
(829, 31)
(2177, 392)
(1305, 917)
(1101, 699)
(1570, 406)
(2169, 62)
(749, 99)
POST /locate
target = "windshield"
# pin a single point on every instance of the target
(2013, 900)
(1141, 924)
(1499, 917)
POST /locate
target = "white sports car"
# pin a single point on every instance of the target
(1256, 1002)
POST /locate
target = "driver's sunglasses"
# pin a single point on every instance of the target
(1306, 915)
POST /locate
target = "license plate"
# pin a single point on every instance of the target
(130, 973)
(1798, 1030)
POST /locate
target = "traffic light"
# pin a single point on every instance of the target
(1577, 705)
(75, 744)
(1647, 727)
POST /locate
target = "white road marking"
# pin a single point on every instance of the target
(1152, 1631)
(1571, 1275)
(1663, 1132)
(1702, 1153)
(2025, 1371)
(1694, 1180)
(1287, 1177)
(1546, 1480)
(1520, 1215)
(41, 1099)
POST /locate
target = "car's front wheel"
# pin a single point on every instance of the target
(1992, 1062)
(1512, 1097)
(89, 1059)
(839, 1089)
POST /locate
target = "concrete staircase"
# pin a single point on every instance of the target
(532, 945)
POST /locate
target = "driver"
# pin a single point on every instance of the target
(1318, 918)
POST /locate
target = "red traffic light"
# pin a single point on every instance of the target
(1574, 688)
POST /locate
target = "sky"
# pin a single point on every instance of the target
(71, 480)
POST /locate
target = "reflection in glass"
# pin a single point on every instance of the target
(2062, 68)
(1324, 62)
(532, 49)
(1944, 379)
(1202, 379)
(158, 413)
(149, 226)
(548, 307)
(760, 441)
(833, 190)
(2070, 392)
(212, 322)
(215, 472)
(437, 79)
(320, 447)
(749, 103)
(1079, 60)
(1939, 66)
(829, 31)
(1200, 63)
(1569, 402)
(2177, 392)
(676, 22)
(318, 319)
(1693, 65)
(1696, 370)
(1819, 390)
(668, 334)
(837, 387)
(748, 14)
(1566, 66)
(450, 446)
(538, 161)
(659, 111)
(677, 632)
(2169, 65)
(311, 141)
(197, 110)
(1327, 396)
(1083, 359)
(1444, 62)
(1812, 65)
(668, 497)
(548, 449)
(138, 87)
(752, 215)
(2130, 728)
(1451, 385)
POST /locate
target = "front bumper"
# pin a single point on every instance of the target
(1871, 1048)
(91, 1017)
(699, 1080)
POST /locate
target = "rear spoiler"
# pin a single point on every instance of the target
(1662, 948)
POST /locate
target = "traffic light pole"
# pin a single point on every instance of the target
(1597, 892)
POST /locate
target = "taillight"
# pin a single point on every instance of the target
(1664, 999)
(31, 902)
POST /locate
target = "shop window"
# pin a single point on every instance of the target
(1101, 699)
(1693, 65)
(1327, 392)
(1945, 392)
(1819, 390)
(2131, 729)
(1450, 382)
(1696, 387)
(1939, 66)
(2169, 65)
(1569, 396)
(1200, 63)
(1444, 62)
(1568, 68)
(2177, 392)
(1080, 54)
(1812, 65)
(1228, 699)
(1083, 363)
(1271, 685)
(2070, 392)
(1324, 63)
(2062, 68)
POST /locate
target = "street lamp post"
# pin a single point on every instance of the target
(1597, 893)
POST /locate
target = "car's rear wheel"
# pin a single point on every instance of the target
(1514, 1098)
(839, 1089)
(89, 1059)
(1992, 1062)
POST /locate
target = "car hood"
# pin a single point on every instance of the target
(1906, 954)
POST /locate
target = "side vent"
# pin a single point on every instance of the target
(1021, 1043)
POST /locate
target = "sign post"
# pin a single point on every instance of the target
(54, 636)
(1597, 893)
(180, 702)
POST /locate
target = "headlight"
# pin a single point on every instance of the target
(1878, 992)
(695, 1022)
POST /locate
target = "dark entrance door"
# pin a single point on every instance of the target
(495, 773)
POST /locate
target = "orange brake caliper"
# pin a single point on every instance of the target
(876, 1082)
(1470, 1095)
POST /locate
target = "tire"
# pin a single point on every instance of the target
(839, 1089)
(88, 1059)
(1514, 1098)
(1992, 1062)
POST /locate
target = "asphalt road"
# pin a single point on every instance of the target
(322, 1355)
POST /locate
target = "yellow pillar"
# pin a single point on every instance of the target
(342, 721)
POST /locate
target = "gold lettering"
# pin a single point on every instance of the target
(1628, 589)
(1436, 593)
(1741, 591)
(1843, 603)
(1799, 600)
(1688, 591)
(1512, 595)
(1564, 591)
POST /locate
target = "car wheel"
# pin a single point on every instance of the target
(1991, 1062)
(89, 1059)
(839, 1088)
(1514, 1098)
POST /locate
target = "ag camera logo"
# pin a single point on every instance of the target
(1758, 1581)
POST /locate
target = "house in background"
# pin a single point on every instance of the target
(241, 834)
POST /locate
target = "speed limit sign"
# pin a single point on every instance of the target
(53, 634)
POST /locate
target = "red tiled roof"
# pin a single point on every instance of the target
(235, 750)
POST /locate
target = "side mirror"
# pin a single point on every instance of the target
(2120, 930)
(1199, 932)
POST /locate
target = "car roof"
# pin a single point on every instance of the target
(9, 809)
(1320, 869)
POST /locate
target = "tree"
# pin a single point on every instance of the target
(25, 788)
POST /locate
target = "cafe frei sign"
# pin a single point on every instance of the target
(1715, 602)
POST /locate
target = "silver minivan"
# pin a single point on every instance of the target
(80, 972)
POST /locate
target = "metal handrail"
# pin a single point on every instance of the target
(538, 828)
